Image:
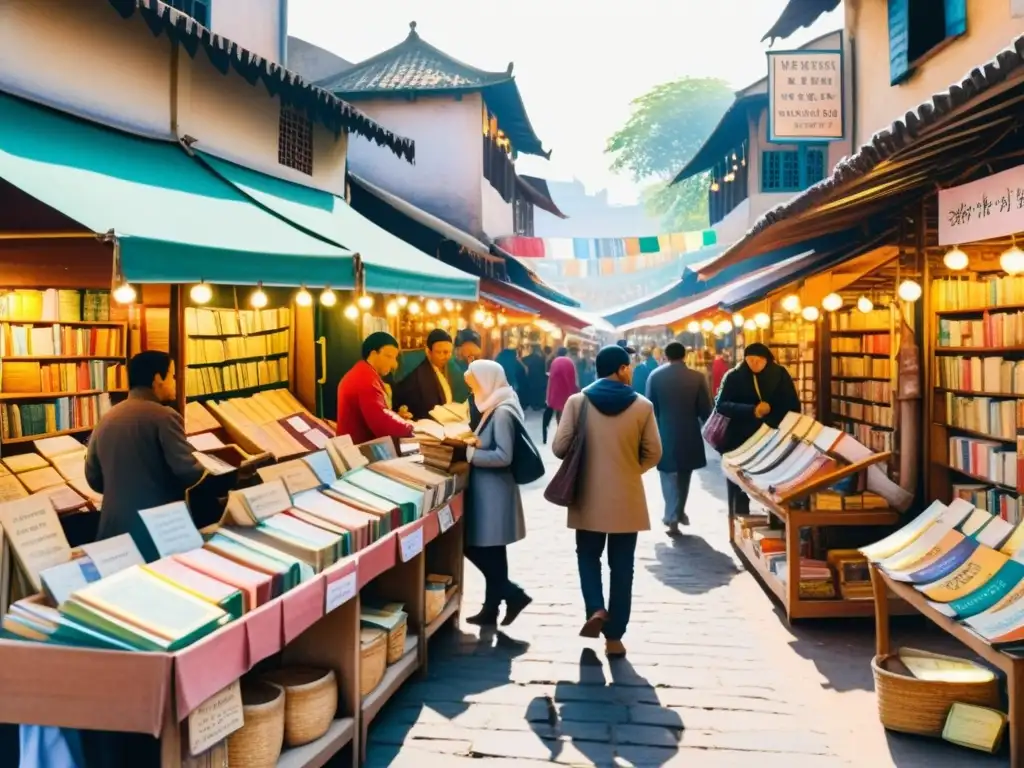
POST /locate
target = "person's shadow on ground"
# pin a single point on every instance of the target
(692, 566)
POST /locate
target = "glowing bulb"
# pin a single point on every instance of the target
(810, 314)
(304, 298)
(200, 293)
(365, 302)
(479, 316)
(489, 322)
(328, 298)
(351, 311)
(832, 302)
(392, 308)
(258, 299)
(865, 305)
(414, 308)
(791, 303)
(762, 320)
(433, 307)
(693, 326)
(1012, 261)
(449, 305)
(909, 290)
(402, 301)
(502, 320)
(707, 326)
(723, 328)
(955, 260)
(749, 325)
(737, 320)
(458, 306)
(445, 322)
(124, 294)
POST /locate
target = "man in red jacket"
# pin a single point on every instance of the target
(363, 409)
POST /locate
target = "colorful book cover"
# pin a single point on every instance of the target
(926, 547)
(905, 536)
(991, 594)
(944, 558)
(973, 574)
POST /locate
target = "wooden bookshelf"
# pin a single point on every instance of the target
(793, 341)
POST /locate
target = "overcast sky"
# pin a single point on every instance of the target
(578, 63)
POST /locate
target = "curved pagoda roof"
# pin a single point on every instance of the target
(414, 66)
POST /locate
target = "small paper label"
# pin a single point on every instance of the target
(317, 438)
(171, 528)
(215, 719)
(445, 518)
(322, 467)
(412, 545)
(341, 591)
(298, 424)
(113, 555)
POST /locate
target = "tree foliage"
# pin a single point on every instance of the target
(667, 126)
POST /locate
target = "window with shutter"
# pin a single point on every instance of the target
(899, 41)
(917, 28)
(197, 9)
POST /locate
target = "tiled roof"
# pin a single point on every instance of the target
(415, 66)
(226, 55)
(798, 13)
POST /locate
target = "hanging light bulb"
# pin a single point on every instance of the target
(351, 311)
(791, 303)
(909, 290)
(448, 305)
(810, 314)
(433, 307)
(414, 307)
(865, 305)
(714, 186)
(955, 259)
(303, 298)
(503, 321)
(762, 320)
(124, 294)
(693, 326)
(445, 323)
(737, 320)
(724, 328)
(328, 298)
(365, 302)
(392, 308)
(749, 325)
(258, 299)
(458, 306)
(200, 293)
(479, 316)
(1012, 260)
(402, 300)
(832, 302)
(489, 322)
(707, 326)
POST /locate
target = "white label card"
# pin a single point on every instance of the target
(215, 719)
(340, 591)
(114, 555)
(445, 518)
(171, 529)
(298, 424)
(322, 467)
(317, 438)
(412, 544)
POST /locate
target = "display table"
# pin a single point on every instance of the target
(154, 693)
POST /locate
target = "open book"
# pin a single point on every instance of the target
(457, 431)
(452, 413)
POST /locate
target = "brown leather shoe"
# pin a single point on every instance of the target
(614, 649)
(594, 625)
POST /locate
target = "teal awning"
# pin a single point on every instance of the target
(390, 264)
(174, 220)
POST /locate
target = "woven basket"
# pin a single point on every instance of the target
(909, 705)
(310, 702)
(257, 744)
(435, 601)
(373, 659)
(396, 642)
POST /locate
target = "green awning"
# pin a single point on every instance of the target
(390, 264)
(175, 221)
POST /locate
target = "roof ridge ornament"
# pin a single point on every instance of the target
(412, 30)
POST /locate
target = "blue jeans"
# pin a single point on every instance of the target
(590, 545)
(675, 489)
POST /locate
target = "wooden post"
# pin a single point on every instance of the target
(881, 593)
(178, 342)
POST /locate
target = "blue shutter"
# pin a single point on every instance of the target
(956, 17)
(899, 40)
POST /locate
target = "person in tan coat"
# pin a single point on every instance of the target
(621, 442)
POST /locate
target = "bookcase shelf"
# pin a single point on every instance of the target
(855, 420)
(976, 478)
(861, 378)
(972, 393)
(57, 358)
(15, 396)
(68, 323)
(974, 433)
(234, 360)
(979, 310)
(32, 438)
(967, 351)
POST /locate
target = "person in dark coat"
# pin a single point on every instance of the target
(757, 391)
(643, 371)
(535, 386)
(429, 384)
(681, 402)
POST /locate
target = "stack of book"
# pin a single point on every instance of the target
(56, 468)
(442, 437)
(271, 422)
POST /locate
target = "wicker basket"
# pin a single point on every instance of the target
(396, 641)
(435, 601)
(373, 661)
(257, 744)
(909, 705)
(310, 702)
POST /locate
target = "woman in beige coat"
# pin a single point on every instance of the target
(620, 443)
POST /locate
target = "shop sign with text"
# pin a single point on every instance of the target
(986, 208)
(805, 96)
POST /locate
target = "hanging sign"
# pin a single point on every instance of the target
(986, 208)
(805, 96)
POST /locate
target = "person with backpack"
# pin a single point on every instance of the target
(494, 507)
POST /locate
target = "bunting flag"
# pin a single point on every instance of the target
(668, 245)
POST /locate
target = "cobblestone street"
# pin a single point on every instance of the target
(713, 677)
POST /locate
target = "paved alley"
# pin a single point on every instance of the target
(713, 678)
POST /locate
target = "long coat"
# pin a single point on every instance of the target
(618, 450)
(561, 383)
(494, 508)
(737, 398)
(680, 398)
(420, 391)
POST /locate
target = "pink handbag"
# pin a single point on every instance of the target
(714, 430)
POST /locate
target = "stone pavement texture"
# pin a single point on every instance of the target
(714, 676)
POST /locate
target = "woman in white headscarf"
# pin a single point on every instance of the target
(494, 508)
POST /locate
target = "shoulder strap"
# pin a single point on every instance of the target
(757, 387)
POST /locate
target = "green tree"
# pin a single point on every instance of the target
(667, 126)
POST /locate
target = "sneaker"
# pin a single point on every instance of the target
(684, 519)
(614, 649)
(672, 529)
(514, 607)
(486, 618)
(594, 625)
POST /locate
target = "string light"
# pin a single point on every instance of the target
(414, 307)
(810, 314)
(402, 301)
(351, 311)
(832, 302)
(328, 298)
(955, 259)
(737, 320)
(749, 325)
(723, 328)
(449, 305)
(303, 298)
(707, 326)
(762, 320)
(865, 305)
(365, 302)
(479, 316)
(1012, 260)
(909, 290)
(258, 299)
(791, 303)
(693, 326)
(392, 308)
(200, 293)
(124, 294)
(433, 307)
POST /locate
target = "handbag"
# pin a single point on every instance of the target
(561, 491)
(716, 426)
(527, 464)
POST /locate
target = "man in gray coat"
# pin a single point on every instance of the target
(138, 455)
(681, 402)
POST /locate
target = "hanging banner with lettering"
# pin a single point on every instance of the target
(986, 208)
(805, 96)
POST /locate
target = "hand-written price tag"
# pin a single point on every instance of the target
(445, 518)
(215, 719)
(340, 592)
(412, 545)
